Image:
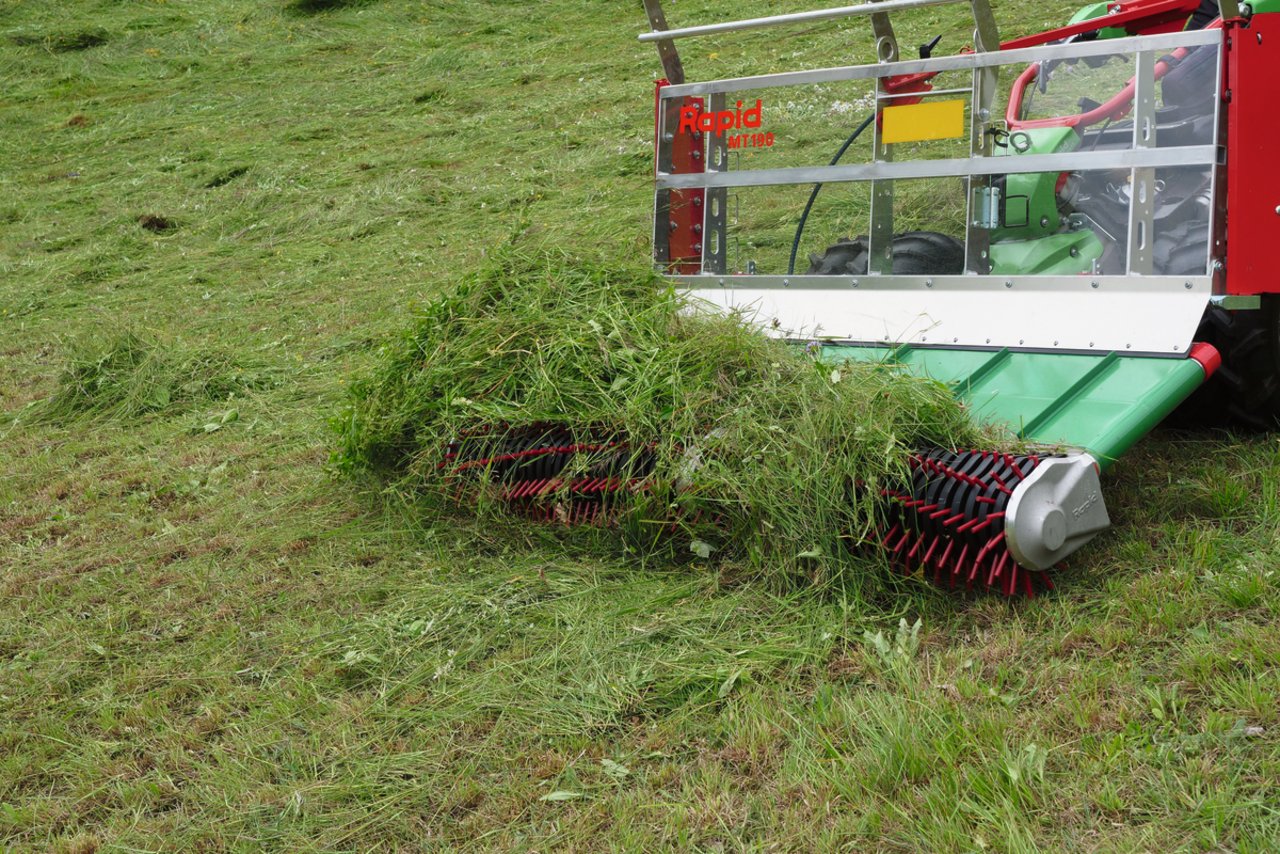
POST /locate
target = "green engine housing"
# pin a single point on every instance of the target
(1033, 238)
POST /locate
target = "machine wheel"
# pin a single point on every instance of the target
(1245, 392)
(915, 253)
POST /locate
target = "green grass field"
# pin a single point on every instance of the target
(209, 641)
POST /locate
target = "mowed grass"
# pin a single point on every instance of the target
(209, 641)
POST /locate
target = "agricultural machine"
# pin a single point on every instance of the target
(1068, 228)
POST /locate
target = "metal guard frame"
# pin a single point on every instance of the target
(1137, 314)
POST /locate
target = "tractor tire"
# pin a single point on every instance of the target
(915, 253)
(1245, 392)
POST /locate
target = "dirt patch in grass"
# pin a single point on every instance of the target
(157, 224)
(315, 7)
(63, 42)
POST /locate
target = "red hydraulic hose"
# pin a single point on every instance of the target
(1117, 108)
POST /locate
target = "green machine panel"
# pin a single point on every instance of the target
(1102, 404)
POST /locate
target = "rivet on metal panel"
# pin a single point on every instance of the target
(1009, 284)
(928, 283)
(1094, 284)
(722, 282)
(786, 283)
(1190, 285)
(854, 283)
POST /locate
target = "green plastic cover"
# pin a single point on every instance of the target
(1102, 404)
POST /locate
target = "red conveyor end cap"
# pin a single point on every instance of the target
(1208, 357)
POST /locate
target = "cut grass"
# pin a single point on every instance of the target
(207, 641)
(131, 374)
(763, 455)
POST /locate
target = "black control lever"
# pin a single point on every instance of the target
(926, 50)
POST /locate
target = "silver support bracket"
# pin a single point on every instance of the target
(986, 36)
(715, 231)
(672, 67)
(880, 250)
(1143, 179)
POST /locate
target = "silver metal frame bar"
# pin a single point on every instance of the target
(961, 62)
(939, 284)
(795, 18)
(1190, 155)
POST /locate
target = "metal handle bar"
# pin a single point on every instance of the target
(796, 18)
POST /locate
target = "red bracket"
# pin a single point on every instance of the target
(904, 88)
(685, 209)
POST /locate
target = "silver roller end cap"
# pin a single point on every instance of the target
(1055, 511)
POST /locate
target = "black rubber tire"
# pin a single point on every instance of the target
(1245, 392)
(847, 257)
(915, 253)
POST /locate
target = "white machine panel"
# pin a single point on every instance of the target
(1152, 315)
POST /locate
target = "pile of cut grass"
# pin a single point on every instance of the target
(766, 456)
(132, 374)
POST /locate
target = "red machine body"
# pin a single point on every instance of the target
(1252, 95)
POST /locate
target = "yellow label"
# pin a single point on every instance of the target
(918, 122)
